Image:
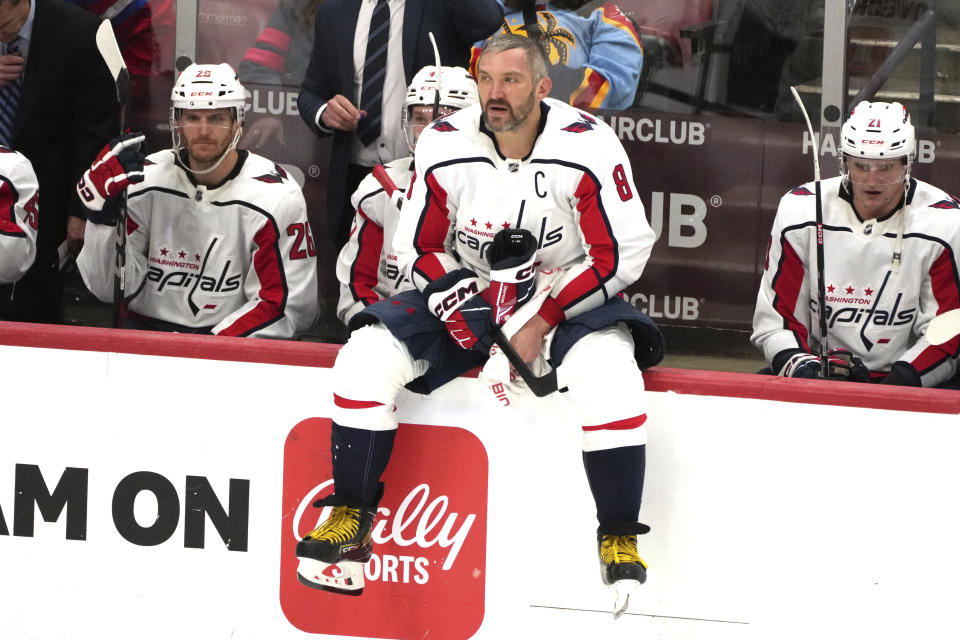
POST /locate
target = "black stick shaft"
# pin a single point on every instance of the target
(821, 287)
(119, 285)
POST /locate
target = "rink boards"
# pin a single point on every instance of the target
(155, 485)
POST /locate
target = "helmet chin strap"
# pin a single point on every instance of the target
(178, 146)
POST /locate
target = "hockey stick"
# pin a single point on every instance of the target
(821, 289)
(540, 386)
(110, 51)
(944, 327)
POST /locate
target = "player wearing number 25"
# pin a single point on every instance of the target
(890, 264)
(217, 237)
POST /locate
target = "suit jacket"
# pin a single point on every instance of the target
(68, 110)
(456, 25)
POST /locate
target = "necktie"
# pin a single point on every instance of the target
(374, 71)
(9, 100)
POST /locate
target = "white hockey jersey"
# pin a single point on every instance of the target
(873, 310)
(574, 192)
(18, 215)
(238, 257)
(367, 266)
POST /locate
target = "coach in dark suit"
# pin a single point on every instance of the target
(67, 110)
(330, 84)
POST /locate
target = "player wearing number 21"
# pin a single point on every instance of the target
(890, 264)
(532, 194)
(217, 237)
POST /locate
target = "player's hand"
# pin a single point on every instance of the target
(903, 374)
(11, 66)
(455, 299)
(263, 132)
(528, 341)
(75, 231)
(118, 165)
(842, 365)
(512, 256)
(340, 114)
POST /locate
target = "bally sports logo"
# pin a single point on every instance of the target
(428, 569)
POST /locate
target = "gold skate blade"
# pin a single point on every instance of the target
(344, 578)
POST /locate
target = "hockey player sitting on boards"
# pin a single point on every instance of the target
(517, 163)
(889, 243)
(217, 237)
(367, 267)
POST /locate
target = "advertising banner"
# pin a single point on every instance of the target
(160, 494)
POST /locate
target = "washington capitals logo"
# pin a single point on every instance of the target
(950, 203)
(443, 126)
(585, 123)
(148, 162)
(276, 176)
(802, 191)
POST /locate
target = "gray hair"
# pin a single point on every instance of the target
(536, 56)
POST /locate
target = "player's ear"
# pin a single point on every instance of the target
(543, 87)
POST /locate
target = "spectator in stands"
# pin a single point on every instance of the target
(357, 74)
(217, 237)
(140, 26)
(279, 57)
(18, 220)
(596, 58)
(282, 50)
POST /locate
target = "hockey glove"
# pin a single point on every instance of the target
(512, 257)
(903, 374)
(843, 365)
(118, 165)
(455, 299)
(846, 366)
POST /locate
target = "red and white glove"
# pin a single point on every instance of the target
(456, 299)
(512, 256)
(117, 166)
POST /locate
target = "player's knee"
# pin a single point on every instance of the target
(606, 390)
(369, 372)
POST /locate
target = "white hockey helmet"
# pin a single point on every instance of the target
(878, 130)
(207, 86)
(452, 88)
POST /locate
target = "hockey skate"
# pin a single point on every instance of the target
(332, 556)
(621, 568)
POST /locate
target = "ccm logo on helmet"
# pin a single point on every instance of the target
(871, 142)
(455, 298)
(201, 94)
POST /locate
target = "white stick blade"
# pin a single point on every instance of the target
(944, 327)
(109, 49)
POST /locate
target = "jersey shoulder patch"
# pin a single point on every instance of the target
(443, 126)
(949, 203)
(801, 191)
(584, 123)
(277, 176)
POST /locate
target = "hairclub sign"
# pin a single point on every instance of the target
(428, 571)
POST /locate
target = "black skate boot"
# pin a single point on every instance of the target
(619, 559)
(621, 567)
(333, 555)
